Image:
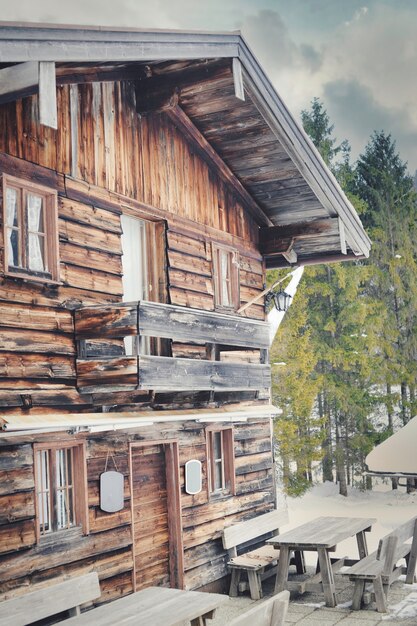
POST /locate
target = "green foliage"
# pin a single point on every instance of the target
(351, 332)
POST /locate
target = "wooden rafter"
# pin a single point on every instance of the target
(280, 239)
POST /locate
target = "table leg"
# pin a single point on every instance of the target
(362, 547)
(282, 571)
(327, 577)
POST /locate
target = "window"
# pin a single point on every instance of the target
(220, 455)
(226, 277)
(61, 488)
(30, 230)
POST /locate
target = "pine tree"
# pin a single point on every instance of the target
(391, 217)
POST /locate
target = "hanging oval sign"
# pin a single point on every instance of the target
(193, 477)
(111, 492)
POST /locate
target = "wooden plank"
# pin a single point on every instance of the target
(43, 603)
(63, 552)
(16, 536)
(256, 527)
(35, 318)
(87, 214)
(167, 373)
(168, 321)
(34, 366)
(12, 481)
(21, 340)
(18, 81)
(238, 79)
(174, 322)
(47, 94)
(15, 507)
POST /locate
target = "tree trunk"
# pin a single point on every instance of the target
(404, 411)
(327, 462)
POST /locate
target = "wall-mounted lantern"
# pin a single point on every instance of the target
(281, 300)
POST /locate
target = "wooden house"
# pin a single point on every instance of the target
(148, 180)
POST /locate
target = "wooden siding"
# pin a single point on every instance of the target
(108, 547)
(104, 159)
(103, 141)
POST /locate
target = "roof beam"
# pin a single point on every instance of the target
(25, 79)
(205, 150)
(18, 81)
(280, 239)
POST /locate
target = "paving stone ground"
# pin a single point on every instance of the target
(308, 610)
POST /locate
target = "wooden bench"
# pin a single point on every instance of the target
(381, 567)
(259, 563)
(49, 601)
(272, 612)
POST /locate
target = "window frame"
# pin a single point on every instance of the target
(79, 487)
(234, 268)
(227, 459)
(51, 237)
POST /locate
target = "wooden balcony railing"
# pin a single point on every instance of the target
(103, 366)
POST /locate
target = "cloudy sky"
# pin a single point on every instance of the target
(358, 56)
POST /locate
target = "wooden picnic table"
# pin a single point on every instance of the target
(321, 535)
(154, 606)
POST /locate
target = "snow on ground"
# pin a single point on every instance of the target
(389, 507)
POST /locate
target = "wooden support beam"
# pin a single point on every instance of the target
(342, 236)
(205, 150)
(155, 90)
(238, 79)
(18, 81)
(290, 256)
(279, 239)
(47, 94)
(26, 79)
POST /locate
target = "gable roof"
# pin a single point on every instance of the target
(397, 454)
(213, 87)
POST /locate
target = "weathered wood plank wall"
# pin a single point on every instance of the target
(108, 548)
(105, 159)
(118, 159)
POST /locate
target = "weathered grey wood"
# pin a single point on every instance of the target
(245, 531)
(259, 563)
(18, 81)
(381, 568)
(412, 559)
(362, 545)
(326, 572)
(49, 601)
(158, 606)
(282, 572)
(47, 94)
(169, 321)
(358, 594)
(237, 79)
(159, 373)
(322, 534)
(169, 374)
(271, 612)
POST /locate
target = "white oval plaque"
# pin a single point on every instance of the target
(193, 476)
(111, 492)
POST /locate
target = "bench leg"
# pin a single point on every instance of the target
(380, 598)
(234, 583)
(282, 571)
(299, 562)
(75, 611)
(327, 577)
(358, 594)
(255, 586)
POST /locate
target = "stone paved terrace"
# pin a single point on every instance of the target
(308, 609)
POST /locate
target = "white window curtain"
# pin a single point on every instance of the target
(12, 221)
(36, 239)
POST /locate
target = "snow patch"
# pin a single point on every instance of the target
(406, 609)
